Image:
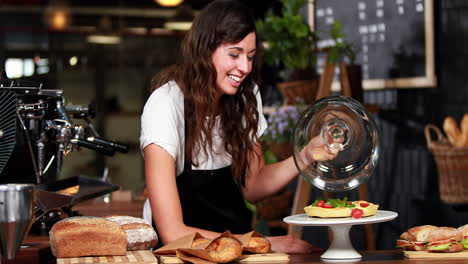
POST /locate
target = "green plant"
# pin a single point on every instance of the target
(290, 42)
(342, 49)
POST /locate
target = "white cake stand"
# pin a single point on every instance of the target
(341, 247)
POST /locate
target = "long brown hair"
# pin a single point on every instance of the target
(222, 21)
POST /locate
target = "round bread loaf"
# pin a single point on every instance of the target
(140, 236)
(126, 219)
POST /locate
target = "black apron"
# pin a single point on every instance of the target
(211, 199)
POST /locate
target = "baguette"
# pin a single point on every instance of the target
(453, 132)
(464, 131)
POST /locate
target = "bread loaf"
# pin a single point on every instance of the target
(126, 219)
(87, 236)
(140, 235)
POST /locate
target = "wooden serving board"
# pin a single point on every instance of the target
(132, 257)
(430, 255)
(269, 257)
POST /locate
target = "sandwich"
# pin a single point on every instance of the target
(416, 238)
(464, 231)
(445, 239)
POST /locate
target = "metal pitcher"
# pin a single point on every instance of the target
(16, 216)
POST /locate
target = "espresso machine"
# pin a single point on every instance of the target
(37, 130)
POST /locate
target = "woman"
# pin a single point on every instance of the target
(200, 130)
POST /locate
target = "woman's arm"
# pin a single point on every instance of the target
(160, 171)
(167, 211)
(263, 180)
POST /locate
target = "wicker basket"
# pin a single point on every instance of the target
(452, 165)
(292, 90)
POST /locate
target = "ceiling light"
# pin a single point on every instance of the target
(169, 2)
(57, 15)
(104, 39)
(182, 20)
(178, 25)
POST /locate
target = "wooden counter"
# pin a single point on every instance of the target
(40, 254)
(38, 247)
(375, 257)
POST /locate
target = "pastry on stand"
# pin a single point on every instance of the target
(345, 128)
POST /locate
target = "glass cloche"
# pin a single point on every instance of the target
(340, 127)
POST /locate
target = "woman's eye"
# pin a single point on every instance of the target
(234, 55)
(250, 58)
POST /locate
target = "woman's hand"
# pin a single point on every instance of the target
(290, 244)
(317, 150)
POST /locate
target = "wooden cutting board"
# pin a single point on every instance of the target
(132, 257)
(269, 257)
(429, 255)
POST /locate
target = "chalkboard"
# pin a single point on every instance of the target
(394, 38)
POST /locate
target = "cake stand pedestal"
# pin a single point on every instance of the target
(341, 247)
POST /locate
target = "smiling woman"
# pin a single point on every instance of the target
(233, 62)
(200, 132)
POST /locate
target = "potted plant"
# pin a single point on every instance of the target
(281, 125)
(290, 45)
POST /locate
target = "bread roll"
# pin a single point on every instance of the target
(464, 230)
(258, 245)
(447, 237)
(201, 242)
(224, 249)
(445, 233)
(407, 236)
(421, 233)
(87, 236)
(140, 236)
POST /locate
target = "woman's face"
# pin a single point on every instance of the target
(233, 62)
